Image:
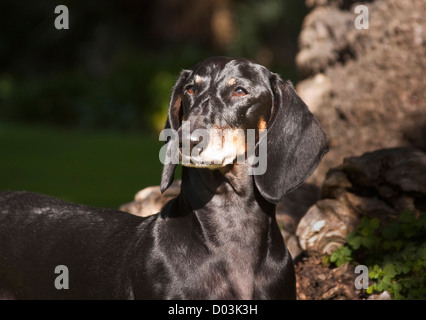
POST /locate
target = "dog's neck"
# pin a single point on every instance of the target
(238, 226)
(227, 204)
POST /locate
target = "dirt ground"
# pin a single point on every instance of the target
(315, 281)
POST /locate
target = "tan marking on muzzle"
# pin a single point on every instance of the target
(224, 146)
(198, 79)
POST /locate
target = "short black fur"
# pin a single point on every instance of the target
(218, 239)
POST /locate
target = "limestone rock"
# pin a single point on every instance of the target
(149, 201)
(366, 87)
(378, 184)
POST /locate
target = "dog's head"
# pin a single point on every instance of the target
(217, 105)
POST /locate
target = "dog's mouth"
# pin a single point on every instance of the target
(213, 161)
(220, 149)
(216, 148)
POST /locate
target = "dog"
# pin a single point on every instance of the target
(218, 239)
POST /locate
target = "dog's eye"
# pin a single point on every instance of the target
(240, 92)
(190, 90)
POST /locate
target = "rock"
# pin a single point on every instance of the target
(317, 3)
(325, 226)
(149, 201)
(378, 184)
(321, 43)
(389, 172)
(290, 210)
(314, 90)
(366, 87)
(293, 246)
(382, 296)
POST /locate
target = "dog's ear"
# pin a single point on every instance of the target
(295, 143)
(174, 121)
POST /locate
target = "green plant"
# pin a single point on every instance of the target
(395, 253)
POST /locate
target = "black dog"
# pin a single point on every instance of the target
(218, 239)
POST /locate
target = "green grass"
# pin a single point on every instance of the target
(95, 168)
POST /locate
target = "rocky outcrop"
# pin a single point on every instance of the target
(365, 86)
(378, 184)
(149, 201)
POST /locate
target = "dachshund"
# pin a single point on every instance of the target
(218, 239)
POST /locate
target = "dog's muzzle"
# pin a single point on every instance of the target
(211, 148)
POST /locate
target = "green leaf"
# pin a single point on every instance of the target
(409, 230)
(405, 269)
(395, 253)
(375, 272)
(407, 217)
(389, 270)
(386, 281)
(369, 290)
(391, 231)
(334, 256)
(387, 244)
(422, 252)
(368, 242)
(380, 286)
(396, 289)
(325, 261)
(354, 241)
(374, 224)
(399, 268)
(341, 255)
(398, 245)
(418, 266)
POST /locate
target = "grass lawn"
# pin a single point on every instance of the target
(99, 169)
